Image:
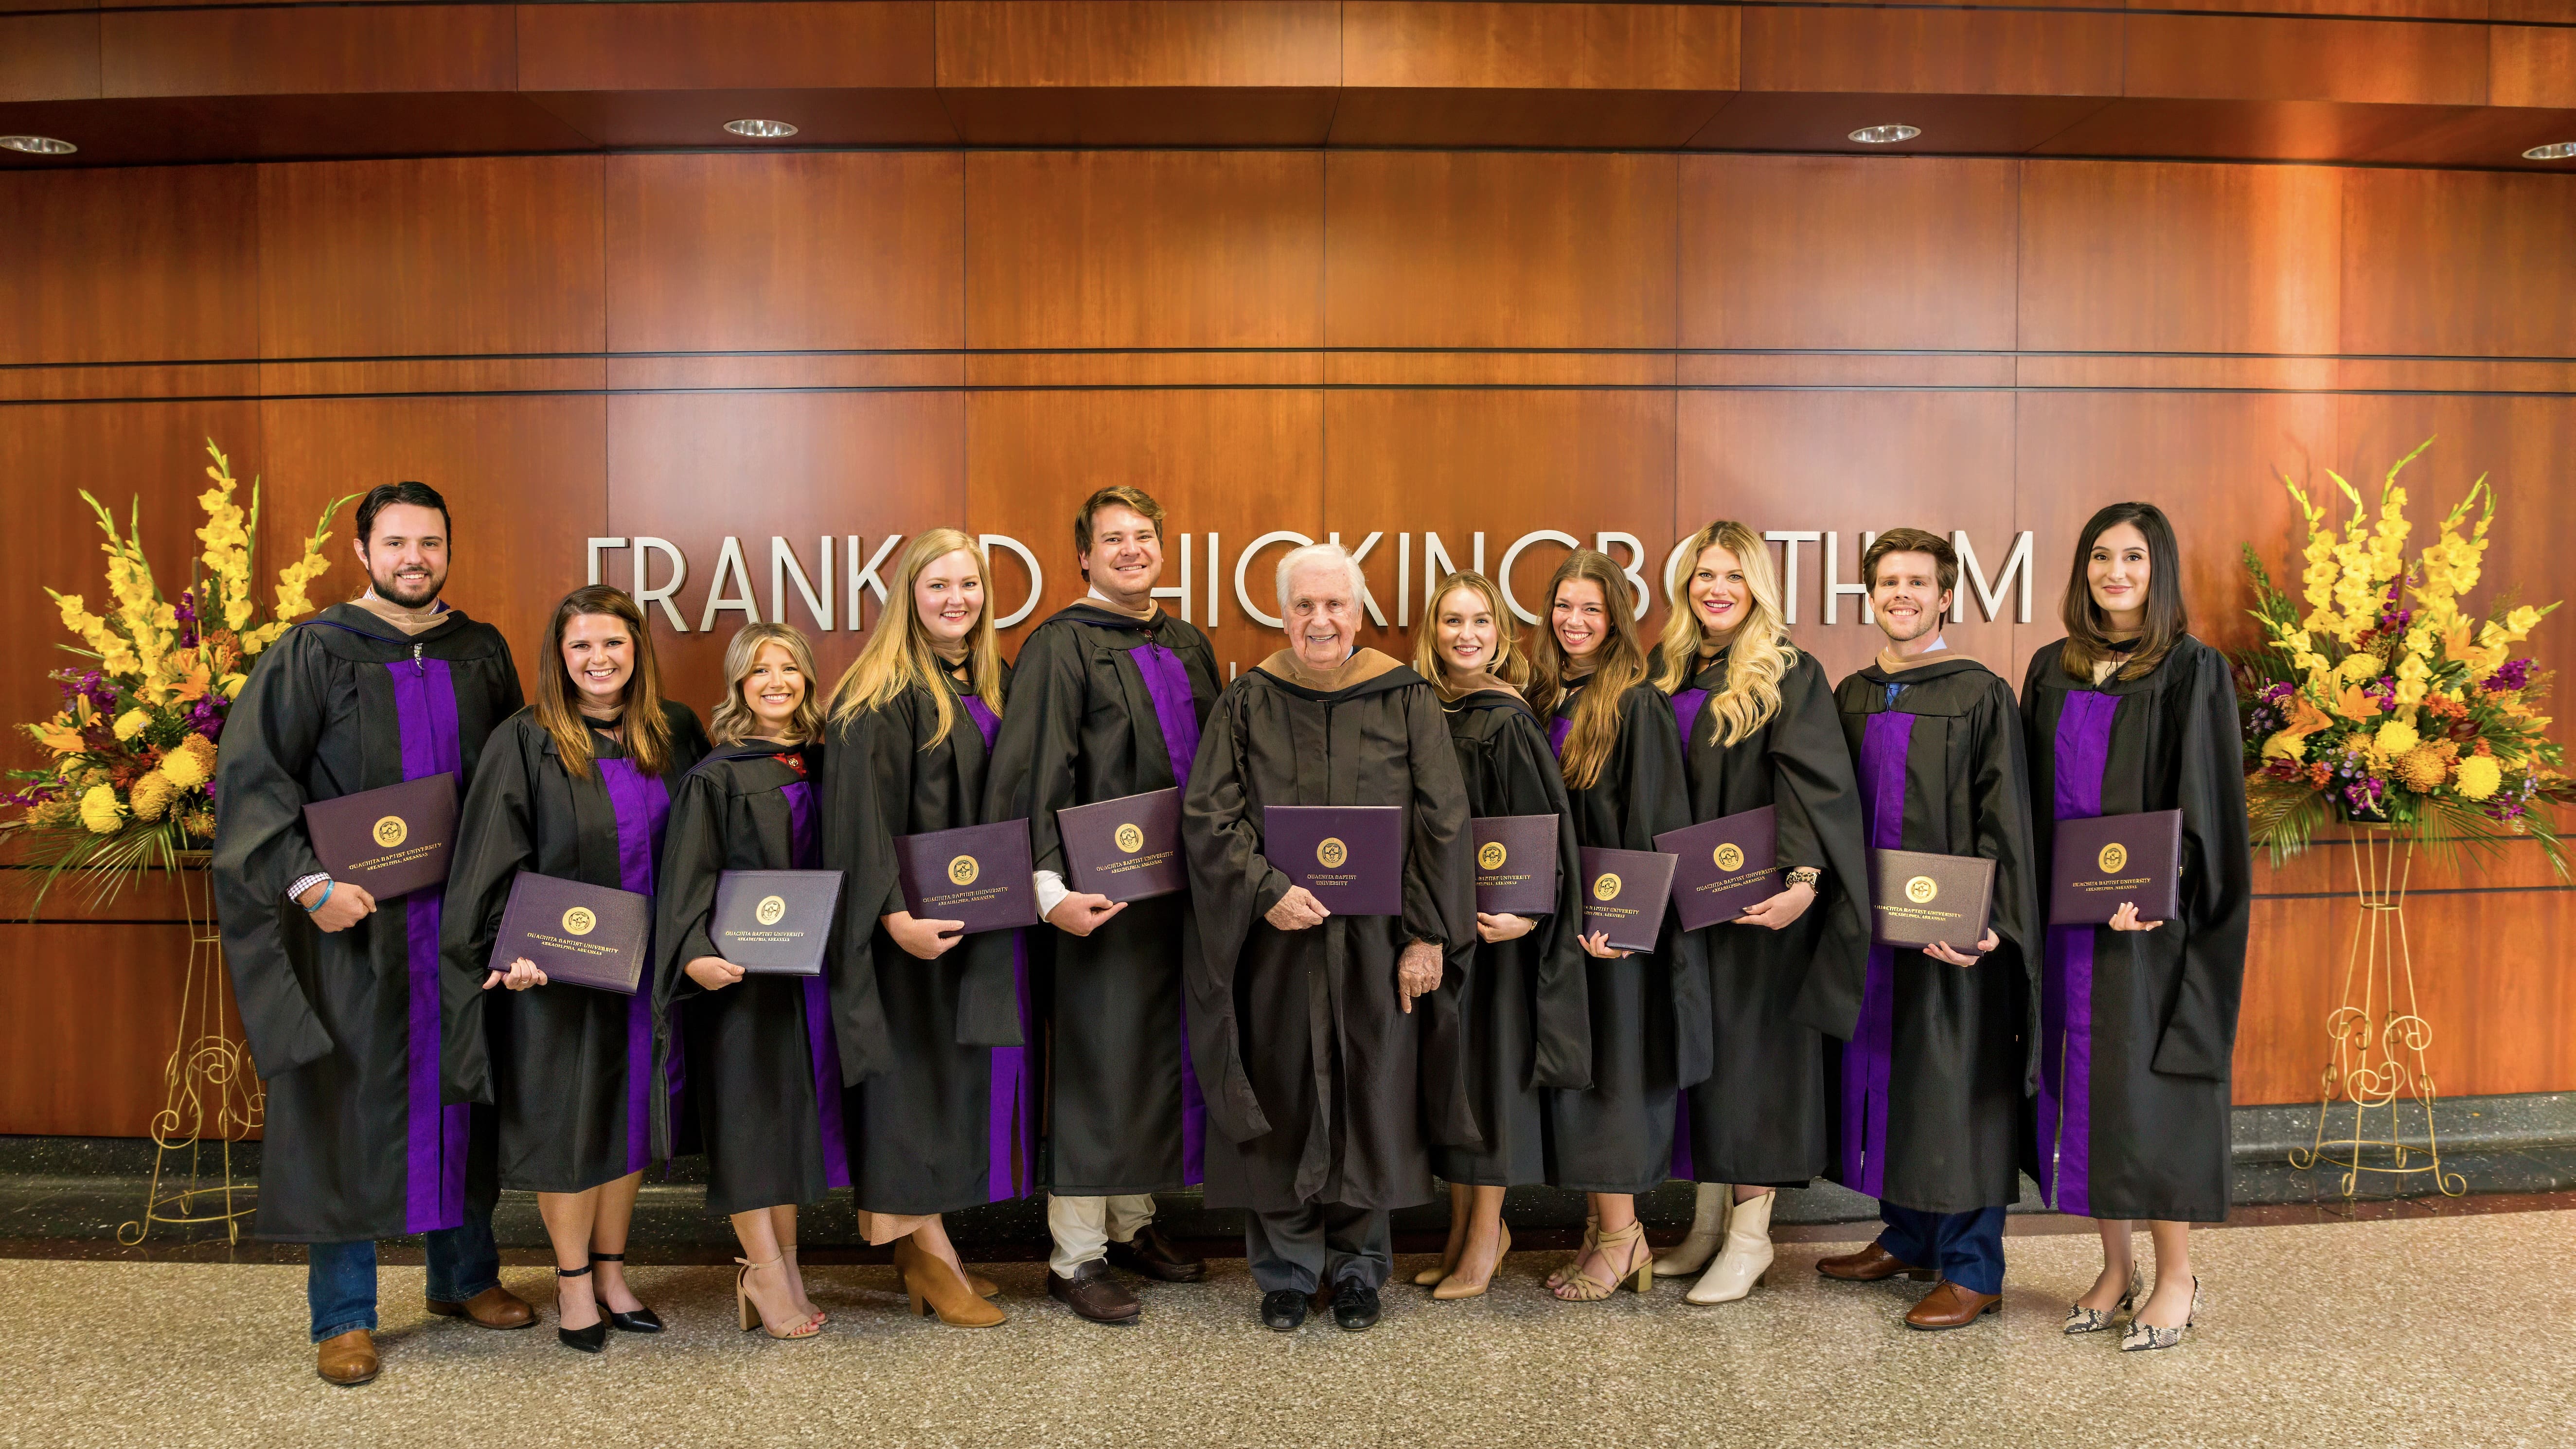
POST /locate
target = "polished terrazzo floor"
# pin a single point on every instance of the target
(2402, 1332)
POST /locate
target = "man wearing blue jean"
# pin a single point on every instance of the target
(347, 1012)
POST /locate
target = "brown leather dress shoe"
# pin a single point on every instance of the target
(1149, 1254)
(1091, 1293)
(348, 1359)
(1951, 1306)
(494, 1307)
(1869, 1265)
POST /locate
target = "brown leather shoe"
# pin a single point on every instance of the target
(1149, 1254)
(1093, 1294)
(1951, 1306)
(1869, 1265)
(494, 1307)
(347, 1360)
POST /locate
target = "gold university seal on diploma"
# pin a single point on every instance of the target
(1730, 856)
(770, 911)
(1606, 888)
(1130, 838)
(2113, 856)
(963, 870)
(1330, 852)
(1922, 889)
(579, 921)
(391, 831)
(1492, 856)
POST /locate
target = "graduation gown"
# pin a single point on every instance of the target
(1760, 1116)
(1320, 1087)
(1104, 705)
(2138, 1028)
(367, 1133)
(763, 1072)
(1525, 1014)
(941, 1114)
(1933, 1062)
(569, 1068)
(1649, 1009)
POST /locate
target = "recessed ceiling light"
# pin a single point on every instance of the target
(38, 145)
(2555, 151)
(1885, 135)
(761, 130)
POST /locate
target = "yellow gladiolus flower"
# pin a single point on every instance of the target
(2477, 777)
(101, 811)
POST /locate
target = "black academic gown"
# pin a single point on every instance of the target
(1760, 1116)
(1320, 1087)
(367, 1133)
(571, 1068)
(1104, 705)
(2138, 1030)
(763, 1074)
(1650, 1010)
(1525, 1016)
(941, 1112)
(1931, 1068)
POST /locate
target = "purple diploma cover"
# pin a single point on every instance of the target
(2098, 863)
(1723, 866)
(1128, 849)
(978, 874)
(392, 841)
(775, 921)
(1917, 899)
(1348, 857)
(1516, 864)
(579, 935)
(1624, 893)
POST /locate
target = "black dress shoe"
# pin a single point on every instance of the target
(1355, 1306)
(642, 1320)
(1283, 1311)
(1091, 1293)
(1151, 1255)
(588, 1340)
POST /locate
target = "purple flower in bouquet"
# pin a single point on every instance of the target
(186, 612)
(205, 715)
(2515, 674)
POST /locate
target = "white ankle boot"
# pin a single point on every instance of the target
(1746, 1258)
(1707, 1232)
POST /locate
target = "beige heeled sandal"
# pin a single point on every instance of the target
(1638, 1274)
(1591, 1240)
(749, 1312)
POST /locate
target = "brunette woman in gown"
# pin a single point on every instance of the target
(1759, 728)
(763, 1072)
(576, 786)
(941, 1112)
(1525, 1016)
(1621, 760)
(2130, 713)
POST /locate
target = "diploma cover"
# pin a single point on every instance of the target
(392, 841)
(579, 935)
(1128, 849)
(2098, 863)
(1917, 899)
(1516, 864)
(1624, 893)
(978, 874)
(1349, 857)
(775, 921)
(1724, 865)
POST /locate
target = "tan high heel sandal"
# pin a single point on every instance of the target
(796, 1276)
(931, 1286)
(1591, 1240)
(749, 1312)
(1455, 1286)
(1639, 1274)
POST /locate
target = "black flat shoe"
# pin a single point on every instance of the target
(588, 1340)
(642, 1320)
(1355, 1306)
(1283, 1311)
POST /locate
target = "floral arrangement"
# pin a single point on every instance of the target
(130, 779)
(2386, 701)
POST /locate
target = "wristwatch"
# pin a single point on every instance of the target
(1806, 875)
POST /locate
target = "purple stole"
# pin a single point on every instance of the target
(1008, 1117)
(1167, 682)
(434, 1133)
(820, 1046)
(1686, 708)
(1870, 1058)
(2066, 976)
(641, 804)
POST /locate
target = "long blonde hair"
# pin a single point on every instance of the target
(1761, 652)
(1509, 664)
(898, 656)
(731, 719)
(1622, 667)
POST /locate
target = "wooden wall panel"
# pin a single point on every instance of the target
(1539, 47)
(104, 265)
(2458, 264)
(822, 250)
(1450, 249)
(2285, 59)
(696, 46)
(696, 469)
(308, 51)
(1934, 51)
(1186, 43)
(1813, 252)
(2143, 257)
(121, 1007)
(405, 258)
(1087, 249)
(49, 57)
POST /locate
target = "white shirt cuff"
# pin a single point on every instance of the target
(1050, 889)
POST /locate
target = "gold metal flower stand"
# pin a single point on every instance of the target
(2377, 1072)
(212, 1098)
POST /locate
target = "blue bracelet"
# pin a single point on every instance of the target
(326, 895)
